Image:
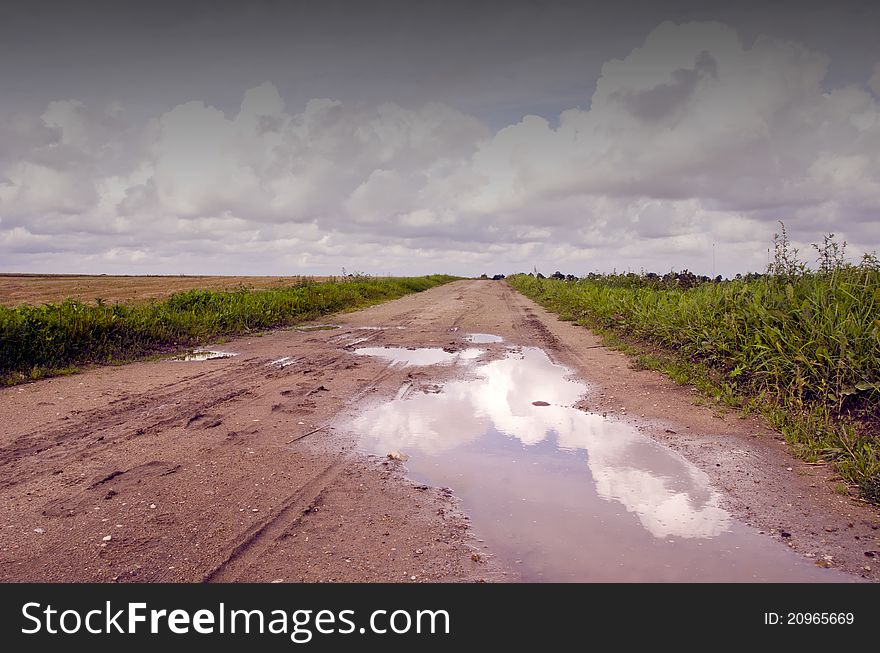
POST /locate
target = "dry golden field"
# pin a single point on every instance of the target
(18, 289)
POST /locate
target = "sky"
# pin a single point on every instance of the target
(286, 137)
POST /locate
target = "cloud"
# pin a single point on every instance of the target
(694, 122)
(662, 101)
(682, 118)
(874, 82)
(692, 138)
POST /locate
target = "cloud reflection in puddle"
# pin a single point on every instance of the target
(670, 496)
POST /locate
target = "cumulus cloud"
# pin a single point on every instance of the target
(693, 138)
(693, 114)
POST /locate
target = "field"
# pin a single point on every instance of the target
(39, 341)
(18, 289)
(801, 347)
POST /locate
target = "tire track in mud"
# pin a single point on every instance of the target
(196, 414)
(525, 320)
(102, 428)
(263, 535)
(184, 403)
(528, 320)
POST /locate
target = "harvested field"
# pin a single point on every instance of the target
(18, 289)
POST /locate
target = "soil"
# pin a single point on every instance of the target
(238, 469)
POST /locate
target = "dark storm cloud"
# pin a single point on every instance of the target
(662, 100)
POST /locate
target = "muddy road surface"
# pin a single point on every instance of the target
(521, 450)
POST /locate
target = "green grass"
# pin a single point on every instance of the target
(39, 341)
(800, 347)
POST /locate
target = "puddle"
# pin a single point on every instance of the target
(379, 328)
(284, 361)
(483, 338)
(419, 357)
(316, 327)
(564, 495)
(469, 354)
(356, 341)
(203, 355)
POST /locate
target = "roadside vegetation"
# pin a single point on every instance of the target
(57, 338)
(799, 345)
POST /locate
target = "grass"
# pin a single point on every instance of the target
(57, 338)
(800, 347)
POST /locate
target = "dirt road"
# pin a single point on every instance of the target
(241, 469)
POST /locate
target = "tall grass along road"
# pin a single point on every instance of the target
(37, 341)
(802, 347)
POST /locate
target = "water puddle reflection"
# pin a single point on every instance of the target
(203, 355)
(419, 357)
(565, 495)
(379, 328)
(483, 338)
(283, 362)
(316, 327)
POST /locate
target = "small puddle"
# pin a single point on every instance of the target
(283, 362)
(316, 327)
(564, 495)
(354, 342)
(203, 355)
(419, 357)
(483, 338)
(379, 328)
